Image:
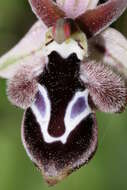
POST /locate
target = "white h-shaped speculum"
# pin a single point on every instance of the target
(77, 110)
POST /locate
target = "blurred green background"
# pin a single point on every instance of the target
(107, 170)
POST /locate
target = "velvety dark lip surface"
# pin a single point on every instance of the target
(60, 155)
(61, 79)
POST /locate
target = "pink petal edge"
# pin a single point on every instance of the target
(74, 8)
(27, 51)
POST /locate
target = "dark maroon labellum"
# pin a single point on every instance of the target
(59, 158)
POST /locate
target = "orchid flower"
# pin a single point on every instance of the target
(69, 65)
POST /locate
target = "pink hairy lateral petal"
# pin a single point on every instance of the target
(108, 88)
(94, 21)
(46, 11)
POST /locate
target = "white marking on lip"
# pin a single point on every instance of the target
(70, 124)
(65, 49)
